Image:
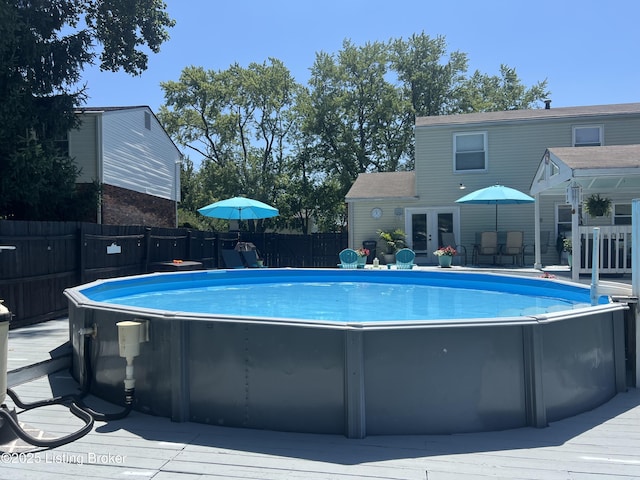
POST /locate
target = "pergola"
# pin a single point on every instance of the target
(572, 172)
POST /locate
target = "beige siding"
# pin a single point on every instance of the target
(622, 132)
(365, 227)
(83, 148)
(515, 150)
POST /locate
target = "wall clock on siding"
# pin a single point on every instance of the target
(376, 213)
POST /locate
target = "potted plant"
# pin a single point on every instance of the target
(393, 241)
(445, 256)
(567, 247)
(363, 253)
(597, 206)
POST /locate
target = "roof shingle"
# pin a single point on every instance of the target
(614, 156)
(529, 114)
(383, 185)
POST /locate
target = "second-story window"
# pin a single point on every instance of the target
(587, 136)
(470, 151)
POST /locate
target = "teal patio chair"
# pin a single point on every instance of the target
(232, 259)
(405, 258)
(348, 258)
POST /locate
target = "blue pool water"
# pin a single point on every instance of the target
(355, 296)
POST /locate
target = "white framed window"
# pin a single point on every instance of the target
(563, 219)
(470, 152)
(622, 214)
(147, 120)
(587, 135)
(62, 143)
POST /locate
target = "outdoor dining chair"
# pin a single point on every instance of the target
(514, 247)
(449, 240)
(488, 246)
(529, 250)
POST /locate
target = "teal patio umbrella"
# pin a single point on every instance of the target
(496, 195)
(239, 208)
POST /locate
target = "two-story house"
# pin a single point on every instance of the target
(539, 152)
(126, 150)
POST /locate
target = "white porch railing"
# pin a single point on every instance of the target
(615, 249)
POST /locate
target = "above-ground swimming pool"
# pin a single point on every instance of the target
(354, 351)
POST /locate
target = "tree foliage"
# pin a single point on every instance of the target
(301, 148)
(358, 117)
(486, 93)
(432, 80)
(44, 46)
(239, 120)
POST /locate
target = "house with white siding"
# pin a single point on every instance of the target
(457, 154)
(128, 152)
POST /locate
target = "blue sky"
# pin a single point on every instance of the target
(587, 50)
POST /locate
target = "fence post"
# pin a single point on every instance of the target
(147, 249)
(82, 255)
(189, 240)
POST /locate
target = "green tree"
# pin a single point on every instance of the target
(300, 149)
(310, 197)
(239, 121)
(491, 93)
(431, 78)
(192, 197)
(44, 45)
(358, 117)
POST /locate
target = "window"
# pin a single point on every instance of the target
(147, 120)
(470, 151)
(587, 136)
(622, 214)
(62, 144)
(564, 219)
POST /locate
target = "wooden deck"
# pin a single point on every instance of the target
(603, 443)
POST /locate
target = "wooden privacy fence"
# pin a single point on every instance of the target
(52, 256)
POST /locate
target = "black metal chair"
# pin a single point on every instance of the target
(449, 239)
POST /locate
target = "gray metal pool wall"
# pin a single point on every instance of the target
(359, 381)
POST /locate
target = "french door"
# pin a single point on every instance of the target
(425, 226)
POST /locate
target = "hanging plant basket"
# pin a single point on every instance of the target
(597, 206)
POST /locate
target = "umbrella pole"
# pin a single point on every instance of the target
(496, 217)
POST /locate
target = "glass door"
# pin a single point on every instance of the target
(418, 235)
(425, 226)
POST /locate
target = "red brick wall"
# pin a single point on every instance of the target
(126, 207)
